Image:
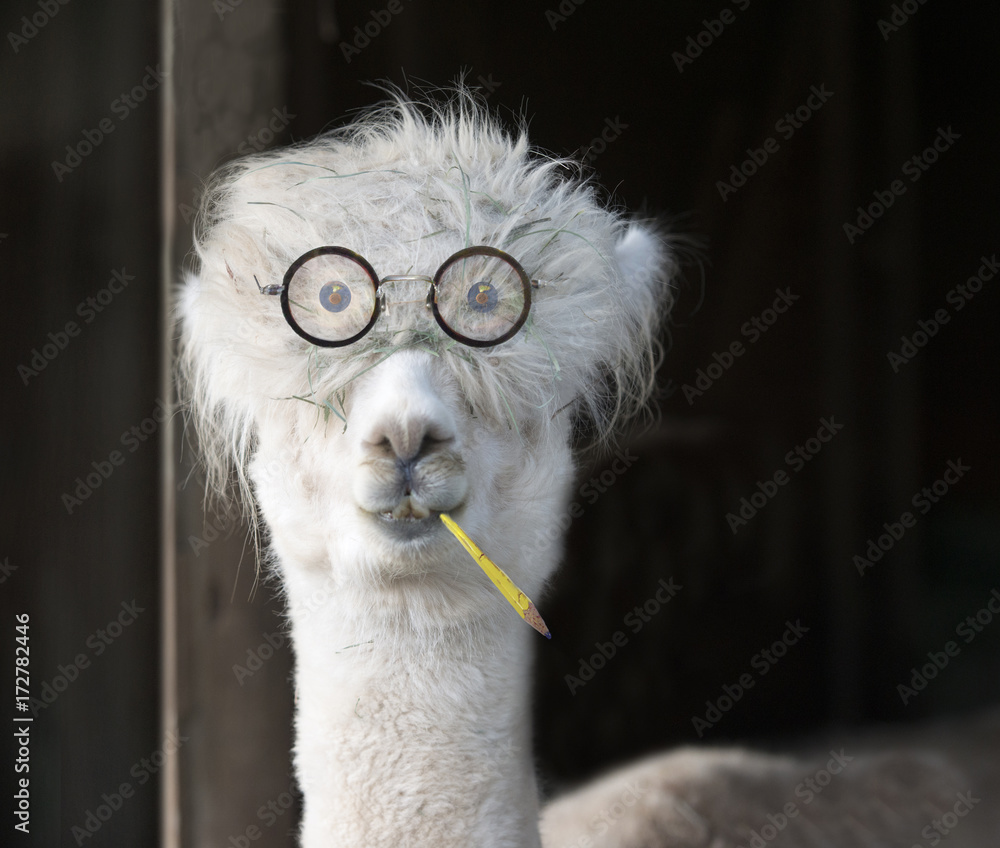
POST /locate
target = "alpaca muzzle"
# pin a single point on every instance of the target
(434, 482)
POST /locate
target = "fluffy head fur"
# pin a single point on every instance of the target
(406, 187)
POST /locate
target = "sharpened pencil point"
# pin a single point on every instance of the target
(535, 620)
(517, 599)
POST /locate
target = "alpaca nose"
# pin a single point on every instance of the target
(407, 448)
(411, 467)
(407, 439)
(405, 416)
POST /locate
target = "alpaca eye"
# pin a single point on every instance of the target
(331, 295)
(335, 296)
(482, 296)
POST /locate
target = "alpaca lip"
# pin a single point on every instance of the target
(408, 516)
(407, 510)
(409, 528)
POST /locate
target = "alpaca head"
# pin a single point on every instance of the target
(353, 450)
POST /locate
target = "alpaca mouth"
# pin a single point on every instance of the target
(408, 515)
(408, 521)
(407, 509)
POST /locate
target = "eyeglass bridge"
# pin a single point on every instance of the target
(406, 278)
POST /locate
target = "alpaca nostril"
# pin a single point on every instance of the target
(407, 443)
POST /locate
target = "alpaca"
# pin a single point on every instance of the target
(409, 318)
(412, 674)
(933, 787)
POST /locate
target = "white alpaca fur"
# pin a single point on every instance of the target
(412, 673)
(936, 787)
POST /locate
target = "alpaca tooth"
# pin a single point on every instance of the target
(419, 510)
(402, 509)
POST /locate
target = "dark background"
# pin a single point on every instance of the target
(574, 72)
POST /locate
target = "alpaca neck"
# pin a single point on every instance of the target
(408, 736)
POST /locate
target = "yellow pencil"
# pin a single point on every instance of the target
(521, 602)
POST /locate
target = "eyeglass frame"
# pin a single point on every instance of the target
(526, 282)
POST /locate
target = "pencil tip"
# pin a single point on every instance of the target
(535, 620)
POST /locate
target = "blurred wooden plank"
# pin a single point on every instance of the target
(236, 715)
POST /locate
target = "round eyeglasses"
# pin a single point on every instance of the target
(332, 297)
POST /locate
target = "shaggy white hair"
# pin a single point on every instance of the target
(406, 186)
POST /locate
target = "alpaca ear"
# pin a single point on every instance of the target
(646, 263)
(643, 259)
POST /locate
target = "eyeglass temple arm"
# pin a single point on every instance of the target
(269, 289)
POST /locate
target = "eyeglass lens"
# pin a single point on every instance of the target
(480, 296)
(331, 297)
